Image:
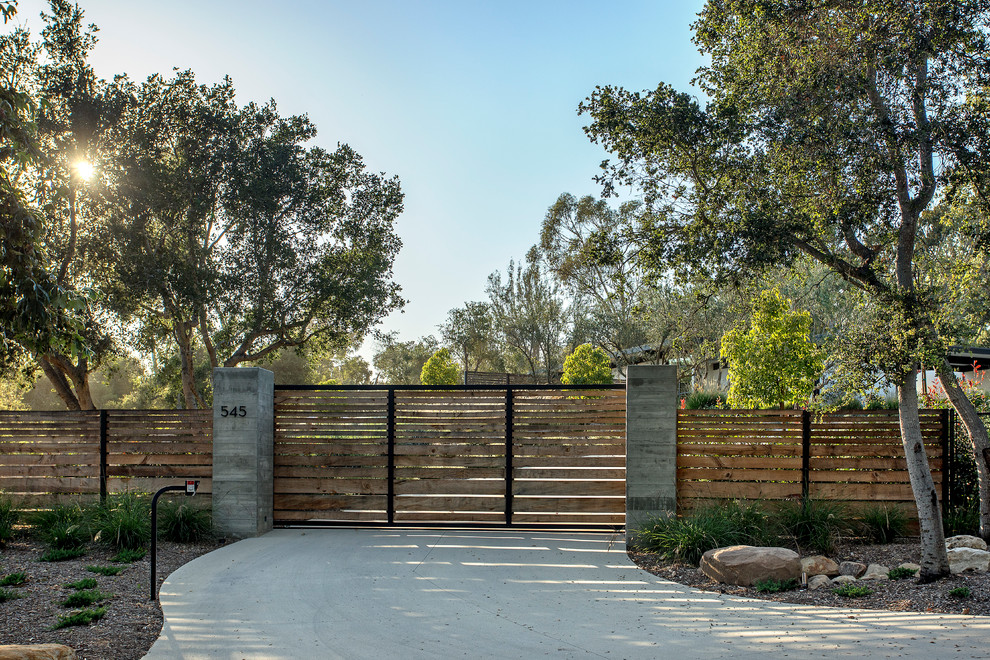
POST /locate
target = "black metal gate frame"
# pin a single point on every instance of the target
(390, 442)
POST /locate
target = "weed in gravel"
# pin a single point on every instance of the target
(814, 524)
(961, 592)
(901, 573)
(62, 554)
(850, 590)
(13, 580)
(124, 521)
(82, 618)
(184, 523)
(85, 583)
(8, 518)
(129, 556)
(105, 570)
(85, 598)
(773, 586)
(8, 594)
(882, 523)
(63, 527)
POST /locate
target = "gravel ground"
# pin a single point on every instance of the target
(132, 622)
(899, 595)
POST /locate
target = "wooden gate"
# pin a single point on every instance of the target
(467, 454)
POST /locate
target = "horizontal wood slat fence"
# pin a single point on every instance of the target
(44, 455)
(480, 455)
(852, 456)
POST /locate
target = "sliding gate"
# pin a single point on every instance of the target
(468, 454)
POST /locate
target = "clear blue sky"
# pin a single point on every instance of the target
(472, 104)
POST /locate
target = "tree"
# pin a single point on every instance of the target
(832, 127)
(529, 315)
(440, 369)
(469, 331)
(401, 363)
(773, 363)
(587, 365)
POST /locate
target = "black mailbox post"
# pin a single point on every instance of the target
(190, 489)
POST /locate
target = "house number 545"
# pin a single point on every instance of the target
(233, 411)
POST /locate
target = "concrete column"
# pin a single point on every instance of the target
(243, 442)
(651, 444)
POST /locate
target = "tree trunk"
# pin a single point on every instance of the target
(934, 559)
(977, 436)
(60, 383)
(71, 381)
(183, 330)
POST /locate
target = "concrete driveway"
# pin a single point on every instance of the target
(380, 594)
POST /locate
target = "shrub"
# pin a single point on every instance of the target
(962, 518)
(772, 586)
(705, 400)
(105, 570)
(587, 365)
(63, 527)
(901, 573)
(183, 522)
(82, 618)
(876, 403)
(440, 369)
(85, 583)
(850, 590)
(124, 521)
(13, 580)
(883, 523)
(814, 524)
(129, 556)
(7, 594)
(62, 554)
(85, 598)
(688, 538)
(8, 518)
(960, 592)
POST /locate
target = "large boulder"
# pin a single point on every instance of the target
(36, 652)
(746, 565)
(853, 568)
(819, 565)
(968, 559)
(818, 582)
(876, 572)
(965, 541)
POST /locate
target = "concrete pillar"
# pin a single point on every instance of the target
(243, 442)
(651, 444)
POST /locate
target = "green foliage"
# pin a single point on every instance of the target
(62, 554)
(129, 555)
(105, 570)
(85, 583)
(184, 523)
(814, 524)
(960, 592)
(63, 527)
(901, 573)
(85, 598)
(587, 365)
(773, 586)
(401, 363)
(123, 521)
(962, 518)
(440, 369)
(850, 590)
(882, 523)
(7, 594)
(717, 525)
(8, 518)
(13, 580)
(773, 363)
(877, 403)
(705, 400)
(81, 618)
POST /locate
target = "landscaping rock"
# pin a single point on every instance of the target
(853, 568)
(818, 582)
(968, 559)
(875, 572)
(819, 565)
(913, 567)
(36, 652)
(965, 541)
(744, 565)
(843, 579)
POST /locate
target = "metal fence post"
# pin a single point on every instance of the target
(948, 421)
(390, 497)
(508, 455)
(805, 455)
(103, 456)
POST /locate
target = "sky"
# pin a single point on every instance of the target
(473, 105)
